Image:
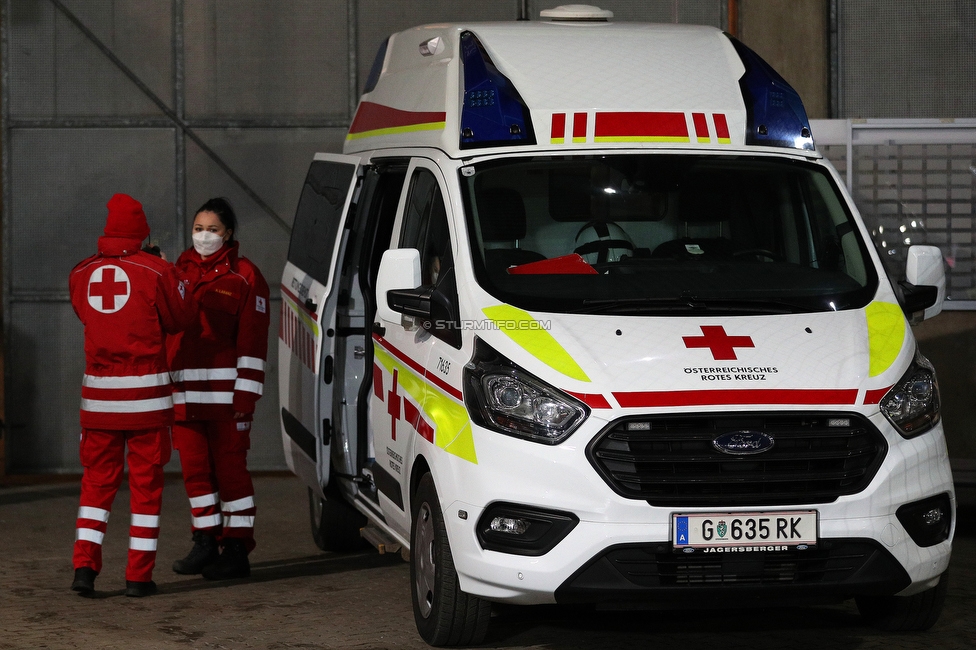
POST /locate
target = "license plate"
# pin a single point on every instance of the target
(742, 532)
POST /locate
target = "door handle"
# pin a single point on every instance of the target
(310, 305)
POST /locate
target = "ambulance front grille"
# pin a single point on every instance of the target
(671, 461)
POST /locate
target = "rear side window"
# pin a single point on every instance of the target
(319, 215)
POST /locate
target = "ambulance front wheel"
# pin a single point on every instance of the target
(905, 613)
(335, 523)
(445, 615)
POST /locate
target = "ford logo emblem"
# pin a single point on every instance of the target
(743, 443)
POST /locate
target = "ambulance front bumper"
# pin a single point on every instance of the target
(621, 549)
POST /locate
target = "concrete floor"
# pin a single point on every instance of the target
(299, 597)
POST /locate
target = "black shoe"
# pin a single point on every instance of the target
(84, 582)
(232, 562)
(140, 589)
(204, 552)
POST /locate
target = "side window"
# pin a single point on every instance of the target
(425, 228)
(319, 214)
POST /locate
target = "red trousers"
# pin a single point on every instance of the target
(213, 455)
(103, 455)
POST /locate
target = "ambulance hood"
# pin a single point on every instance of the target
(834, 359)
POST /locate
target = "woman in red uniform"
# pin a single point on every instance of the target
(218, 369)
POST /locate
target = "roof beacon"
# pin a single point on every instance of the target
(577, 13)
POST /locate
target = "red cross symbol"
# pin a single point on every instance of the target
(393, 405)
(107, 288)
(718, 342)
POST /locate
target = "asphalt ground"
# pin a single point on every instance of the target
(299, 597)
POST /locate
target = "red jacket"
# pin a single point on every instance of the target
(218, 362)
(127, 301)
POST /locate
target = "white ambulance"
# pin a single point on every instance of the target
(581, 315)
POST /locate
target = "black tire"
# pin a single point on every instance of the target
(335, 523)
(905, 613)
(445, 615)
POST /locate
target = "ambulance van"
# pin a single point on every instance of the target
(581, 315)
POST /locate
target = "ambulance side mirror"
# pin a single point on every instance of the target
(925, 283)
(399, 269)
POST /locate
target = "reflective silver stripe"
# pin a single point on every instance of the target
(238, 521)
(132, 381)
(251, 363)
(237, 505)
(208, 521)
(249, 386)
(203, 501)
(207, 374)
(89, 535)
(145, 521)
(208, 397)
(142, 544)
(95, 514)
(127, 406)
(179, 398)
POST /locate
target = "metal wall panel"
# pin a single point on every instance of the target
(907, 59)
(61, 180)
(56, 70)
(249, 58)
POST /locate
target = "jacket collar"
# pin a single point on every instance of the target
(118, 246)
(226, 255)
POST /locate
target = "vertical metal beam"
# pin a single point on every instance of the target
(5, 207)
(524, 13)
(179, 107)
(352, 28)
(833, 27)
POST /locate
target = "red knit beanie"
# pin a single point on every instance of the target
(126, 218)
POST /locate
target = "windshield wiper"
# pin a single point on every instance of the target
(691, 306)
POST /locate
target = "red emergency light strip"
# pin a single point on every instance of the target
(641, 127)
(736, 397)
(721, 128)
(701, 127)
(420, 370)
(372, 117)
(412, 415)
(557, 133)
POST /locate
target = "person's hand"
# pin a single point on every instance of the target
(163, 255)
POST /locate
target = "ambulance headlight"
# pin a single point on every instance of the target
(505, 398)
(913, 405)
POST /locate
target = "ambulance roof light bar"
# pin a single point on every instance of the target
(492, 112)
(775, 116)
(577, 13)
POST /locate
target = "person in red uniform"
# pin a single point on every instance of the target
(218, 367)
(127, 300)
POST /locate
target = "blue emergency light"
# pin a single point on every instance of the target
(775, 116)
(493, 113)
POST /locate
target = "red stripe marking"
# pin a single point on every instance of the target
(721, 126)
(420, 370)
(412, 415)
(736, 396)
(874, 396)
(370, 117)
(299, 302)
(593, 400)
(701, 125)
(558, 129)
(377, 382)
(659, 125)
(579, 125)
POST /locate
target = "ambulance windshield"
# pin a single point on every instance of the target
(664, 234)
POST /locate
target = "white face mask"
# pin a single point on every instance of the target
(207, 243)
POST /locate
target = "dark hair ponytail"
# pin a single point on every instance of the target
(221, 207)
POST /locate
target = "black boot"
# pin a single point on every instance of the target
(84, 582)
(232, 562)
(140, 589)
(204, 552)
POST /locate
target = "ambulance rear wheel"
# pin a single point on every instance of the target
(445, 615)
(905, 613)
(335, 523)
